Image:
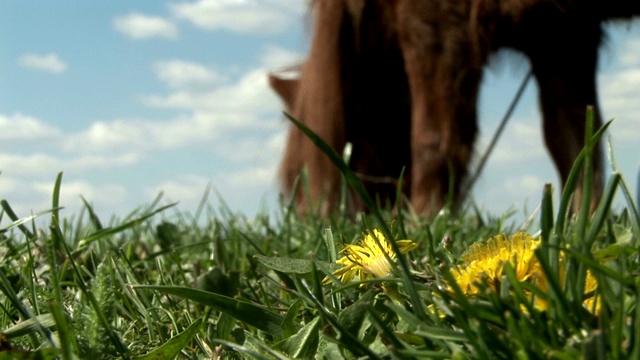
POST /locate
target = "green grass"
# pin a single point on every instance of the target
(160, 284)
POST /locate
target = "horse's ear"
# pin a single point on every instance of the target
(286, 88)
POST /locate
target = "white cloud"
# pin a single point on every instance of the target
(257, 177)
(31, 164)
(241, 190)
(186, 189)
(140, 27)
(44, 62)
(498, 194)
(85, 162)
(72, 190)
(619, 94)
(520, 142)
(256, 149)
(23, 196)
(525, 184)
(242, 16)
(620, 83)
(630, 54)
(250, 94)
(31, 194)
(8, 184)
(131, 135)
(116, 134)
(20, 127)
(40, 163)
(277, 57)
(212, 113)
(181, 74)
(231, 127)
(621, 46)
(198, 127)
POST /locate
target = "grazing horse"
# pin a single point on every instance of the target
(399, 80)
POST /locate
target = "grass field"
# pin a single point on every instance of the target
(159, 284)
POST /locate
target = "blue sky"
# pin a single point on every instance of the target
(132, 98)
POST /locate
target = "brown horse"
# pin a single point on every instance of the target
(399, 80)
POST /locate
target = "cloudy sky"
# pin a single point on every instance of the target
(129, 99)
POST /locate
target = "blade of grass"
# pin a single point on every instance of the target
(68, 342)
(603, 210)
(55, 201)
(555, 292)
(249, 313)
(16, 220)
(31, 325)
(546, 215)
(635, 352)
(95, 220)
(632, 206)
(173, 346)
(587, 177)
(330, 244)
(572, 181)
(388, 334)
(114, 230)
(56, 234)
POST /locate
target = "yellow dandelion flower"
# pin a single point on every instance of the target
(593, 303)
(487, 260)
(367, 260)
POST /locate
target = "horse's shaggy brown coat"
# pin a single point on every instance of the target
(399, 80)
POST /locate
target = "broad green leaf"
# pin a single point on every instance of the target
(329, 350)
(224, 326)
(291, 266)
(252, 314)
(173, 346)
(304, 344)
(352, 317)
(286, 265)
(289, 325)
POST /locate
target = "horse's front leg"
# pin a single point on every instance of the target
(443, 81)
(564, 64)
